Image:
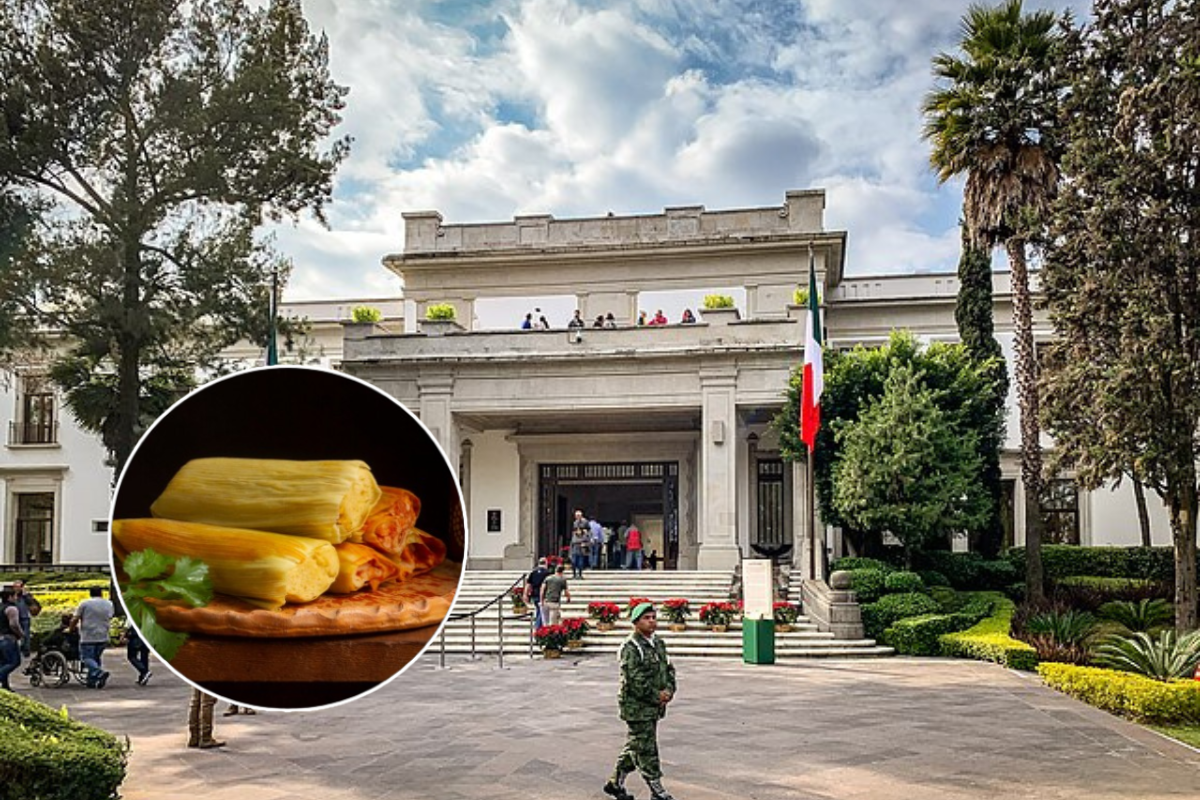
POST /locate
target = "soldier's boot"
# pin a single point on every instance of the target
(206, 728)
(616, 788)
(194, 723)
(657, 792)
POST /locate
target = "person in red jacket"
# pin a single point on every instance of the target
(633, 548)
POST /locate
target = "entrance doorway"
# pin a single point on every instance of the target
(645, 493)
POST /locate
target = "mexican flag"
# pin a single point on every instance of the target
(814, 368)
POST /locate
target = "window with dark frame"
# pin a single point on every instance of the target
(35, 423)
(1060, 512)
(35, 528)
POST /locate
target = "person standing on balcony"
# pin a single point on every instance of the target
(577, 320)
(647, 686)
(659, 318)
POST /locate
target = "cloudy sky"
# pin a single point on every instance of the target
(483, 109)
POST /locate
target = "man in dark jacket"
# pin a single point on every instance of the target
(533, 590)
(647, 686)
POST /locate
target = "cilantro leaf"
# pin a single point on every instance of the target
(163, 577)
(164, 642)
(146, 564)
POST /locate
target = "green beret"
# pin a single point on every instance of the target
(639, 610)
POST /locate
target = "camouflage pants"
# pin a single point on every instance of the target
(640, 751)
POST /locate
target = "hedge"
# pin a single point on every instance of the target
(858, 562)
(895, 582)
(46, 756)
(867, 584)
(1063, 560)
(918, 636)
(879, 616)
(1134, 696)
(989, 640)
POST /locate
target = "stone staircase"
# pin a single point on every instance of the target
(617, 586)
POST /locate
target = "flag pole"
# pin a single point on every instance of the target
(272, 346)
(812, 473)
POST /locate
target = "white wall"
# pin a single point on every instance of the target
(1114, 520)
(495, 483)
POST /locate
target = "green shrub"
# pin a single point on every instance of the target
(1161, 658)
(989, 640)
(858, 562)
(881, 615)
(947, 598)
(867, 584)
(1063, 560)
(1139, 616)
(896, 582)
(995, 575)
(1124, 693)
(440, 311)
(712, 301)
(933, 578)
(36, 580)
(45, 755)
(918, 636)
(365, 314)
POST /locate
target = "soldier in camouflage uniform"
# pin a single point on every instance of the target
(647, 685)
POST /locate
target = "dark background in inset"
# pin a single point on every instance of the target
(293, 413)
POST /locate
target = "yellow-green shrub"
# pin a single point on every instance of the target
(989, 640)
(1125, 693)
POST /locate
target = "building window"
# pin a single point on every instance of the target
(35, 422)
(35, 528)
(1060, 512)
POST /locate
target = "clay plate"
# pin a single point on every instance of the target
(414, 603)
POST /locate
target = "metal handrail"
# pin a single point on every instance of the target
(500, 617)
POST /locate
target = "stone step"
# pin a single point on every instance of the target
(832, 648)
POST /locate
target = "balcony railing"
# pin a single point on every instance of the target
(33, 433)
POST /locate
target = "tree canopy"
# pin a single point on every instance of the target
(961, 389)
(906, 468)
(1122, 271)
(159, 135)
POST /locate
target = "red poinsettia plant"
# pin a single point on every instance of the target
(576, 627)
(551, 637)
(786, 613)
(605, 612)
(634, 602)
(517, 595)
(676, 610)
(717, 613)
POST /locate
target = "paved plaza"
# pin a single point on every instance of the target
(893, 728)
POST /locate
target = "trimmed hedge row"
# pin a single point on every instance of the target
(45, 755)
(1125, 693)
(918, 636)
(879, 616)
(1064, 560)
(989, 640)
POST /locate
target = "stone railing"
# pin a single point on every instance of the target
(833, 609)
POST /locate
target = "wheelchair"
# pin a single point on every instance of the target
(55, 665)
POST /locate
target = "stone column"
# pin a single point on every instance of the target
(801, 523)
(435, 389)
(718, 467)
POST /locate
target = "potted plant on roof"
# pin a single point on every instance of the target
(552, 639)
(440, 319)
(604, 613)
(719, 309)
(576, 627)
(676, 610)
(786, 615)
(717, 615)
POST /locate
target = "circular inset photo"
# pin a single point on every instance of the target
(287, 538)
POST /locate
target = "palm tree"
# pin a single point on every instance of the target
(992, 118)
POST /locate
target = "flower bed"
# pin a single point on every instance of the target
(989, 640)
(1134, 696)
(44, 754)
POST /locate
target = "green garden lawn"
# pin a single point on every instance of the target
(1188, 734)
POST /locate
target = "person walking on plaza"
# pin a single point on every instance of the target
(647, 686)
(200, 721)
(633, 548)
(10, 637)
(533, 591)
(554, 589)
(138, 654)
(27, 608)
(92, 620)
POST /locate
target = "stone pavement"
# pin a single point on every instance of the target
(894, 728)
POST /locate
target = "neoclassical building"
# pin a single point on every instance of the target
(668, 426)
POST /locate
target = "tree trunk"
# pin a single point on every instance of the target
(1183, 502)
(1026, 370)
(1139, 496)
(123, 432)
